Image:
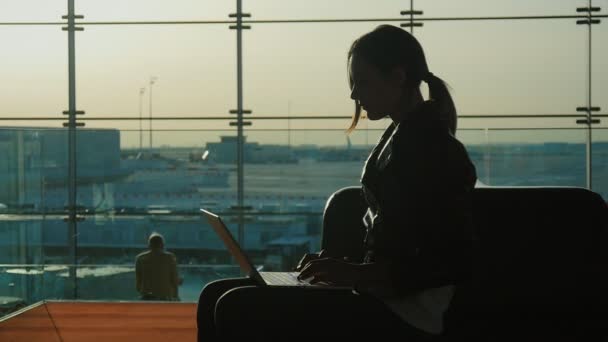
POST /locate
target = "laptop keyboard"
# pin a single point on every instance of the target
(283, 278)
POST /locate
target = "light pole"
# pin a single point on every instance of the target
(289, 124)
(141, 96)
(152, 81)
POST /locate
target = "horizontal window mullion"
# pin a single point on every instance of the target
(295, 21)
(299, 117)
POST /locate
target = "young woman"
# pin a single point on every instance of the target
(417, 183)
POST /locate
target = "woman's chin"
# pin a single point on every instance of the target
(374, 116)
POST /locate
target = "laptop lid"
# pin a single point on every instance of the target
(233, 247)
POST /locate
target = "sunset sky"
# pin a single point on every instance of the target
(494, 67)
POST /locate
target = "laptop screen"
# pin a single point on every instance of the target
(233, 247)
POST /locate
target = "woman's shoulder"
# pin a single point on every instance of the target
(425, 132)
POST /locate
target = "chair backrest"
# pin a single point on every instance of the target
(541, 260)
(343, 229)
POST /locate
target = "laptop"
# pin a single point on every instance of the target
(262, 278)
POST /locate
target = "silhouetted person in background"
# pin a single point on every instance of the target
(156, 271)
(417, 183)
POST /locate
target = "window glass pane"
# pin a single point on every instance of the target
(528, 157)
(34, 72)
(128, 183)
(509, 67)
(117, 282)
(33, 169)
(32, 10)
(193, 68)
(130, 192)
(487, 77)
(33, 178)
(476, 8)
(117, 10)
(117, 168)
(516, 123)
(108, 246)
(319, 9)
(599, 90)
(289, 176)
(303, 152)
(600, 161)
(23, 259)
(307, 76)
(179, 177)
(600, 63)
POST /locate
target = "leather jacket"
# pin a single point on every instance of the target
(418, 183)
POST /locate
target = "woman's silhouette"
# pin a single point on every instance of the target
(417, 184)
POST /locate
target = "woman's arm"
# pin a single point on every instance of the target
(371, 277)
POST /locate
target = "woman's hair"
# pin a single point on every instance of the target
(387, 47)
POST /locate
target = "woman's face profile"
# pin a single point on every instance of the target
(376, 92)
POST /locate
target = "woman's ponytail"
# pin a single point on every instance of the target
(439, 92)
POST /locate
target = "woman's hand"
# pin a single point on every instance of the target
(330, 270)
(308, 258)
(370, 277)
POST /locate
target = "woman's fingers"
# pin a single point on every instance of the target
(319, 277)
(305, 272)
(316, 268)
(305, 260)
(328, 270)
(309, 269)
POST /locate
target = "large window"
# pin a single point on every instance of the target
(161, 85)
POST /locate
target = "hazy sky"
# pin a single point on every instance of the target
(494, 67)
